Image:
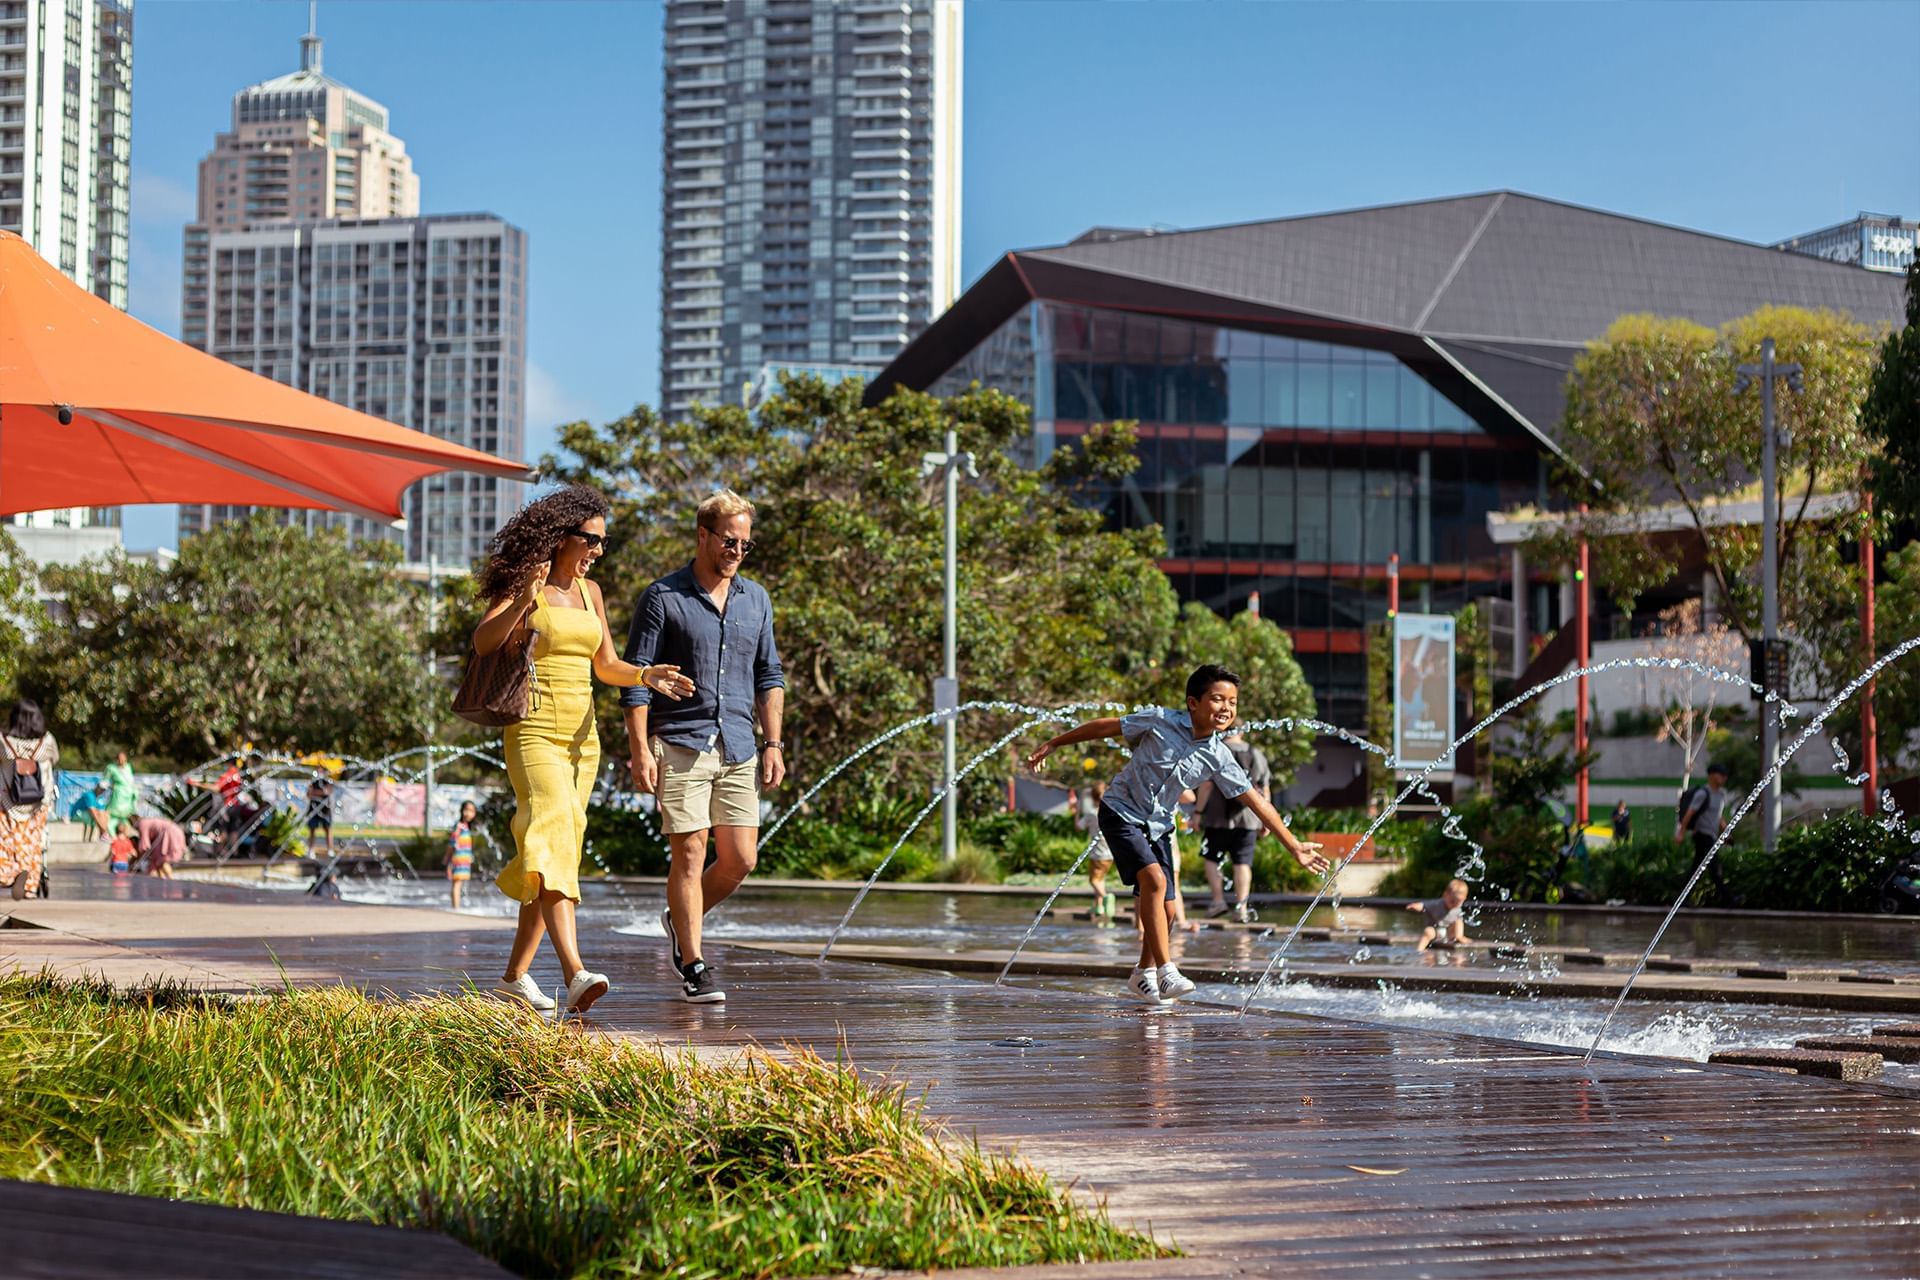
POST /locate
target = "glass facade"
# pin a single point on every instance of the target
(1275, 465)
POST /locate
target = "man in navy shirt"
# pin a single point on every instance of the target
(698, 754)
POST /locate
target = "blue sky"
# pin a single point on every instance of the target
(1755, 121)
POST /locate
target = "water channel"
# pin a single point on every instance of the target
(629, 913)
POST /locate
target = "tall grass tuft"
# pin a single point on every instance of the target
(553, 1152)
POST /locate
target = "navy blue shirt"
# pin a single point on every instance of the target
(729, 656)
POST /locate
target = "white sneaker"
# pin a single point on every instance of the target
(1144, 986)
(583, 989)
(1173, 983)
(525, 990)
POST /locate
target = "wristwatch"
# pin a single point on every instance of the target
(773, 744)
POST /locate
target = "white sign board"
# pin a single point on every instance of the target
(946, 693)
(1423, 676)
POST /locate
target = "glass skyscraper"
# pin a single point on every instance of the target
(811, 187)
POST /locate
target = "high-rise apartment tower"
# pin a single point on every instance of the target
(303, 148)
(66, 122)
(311, 265)
(811, 186)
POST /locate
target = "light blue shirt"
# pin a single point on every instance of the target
(1167, 760)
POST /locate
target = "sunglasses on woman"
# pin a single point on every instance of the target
(594, 540)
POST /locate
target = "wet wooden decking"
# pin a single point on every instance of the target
(63, 1233)
(1247, 1141)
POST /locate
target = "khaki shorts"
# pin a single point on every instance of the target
(698, 791)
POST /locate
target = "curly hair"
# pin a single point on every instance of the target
(533, 535)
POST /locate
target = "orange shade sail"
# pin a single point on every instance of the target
(153, 420)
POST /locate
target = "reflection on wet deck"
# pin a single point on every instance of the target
(1252, 1140)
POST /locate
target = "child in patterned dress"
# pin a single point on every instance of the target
(460, 850)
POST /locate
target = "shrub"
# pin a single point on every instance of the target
(1647, 869)
(1834, 865)
(910, 862)
(1275, 871)
(971, 865)
(625, 842)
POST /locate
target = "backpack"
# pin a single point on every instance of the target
(1687, 798)
(25, 787)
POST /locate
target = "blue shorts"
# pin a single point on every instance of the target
(1230, 843)
(1132, 850)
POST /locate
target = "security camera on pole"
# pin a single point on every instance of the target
(1771, 663)
(946, 690)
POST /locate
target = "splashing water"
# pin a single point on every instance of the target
(1046, 907)
(1753, 796)
(933, 718)
(940, 793)
(1784, 709)
(1278, 723)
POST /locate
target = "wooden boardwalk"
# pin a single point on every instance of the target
(1276, 1145)
(62, 1233)
(1245, 1140)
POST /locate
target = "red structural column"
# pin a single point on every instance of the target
(1869, 728)
(1584, 659)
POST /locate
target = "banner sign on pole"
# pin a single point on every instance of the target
(1423, 677)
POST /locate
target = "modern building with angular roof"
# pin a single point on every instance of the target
(1316, 394)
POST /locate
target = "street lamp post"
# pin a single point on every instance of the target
(433, 601)
(946, 693)
(1765, 374)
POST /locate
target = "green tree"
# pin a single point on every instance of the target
(1652, 419)
(1891, 418)
(1054, 606)
(258, 633)
(21, 616)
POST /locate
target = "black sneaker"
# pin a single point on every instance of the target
(700, 984)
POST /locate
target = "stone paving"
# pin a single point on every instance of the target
(1270, 1145)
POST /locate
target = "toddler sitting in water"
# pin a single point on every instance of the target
(1445, 924)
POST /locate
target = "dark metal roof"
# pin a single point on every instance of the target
(1506, 287)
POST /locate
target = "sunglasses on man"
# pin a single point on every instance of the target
(744, 546)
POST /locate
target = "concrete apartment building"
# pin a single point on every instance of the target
(312, 265)
(811, 187)
(66, 118)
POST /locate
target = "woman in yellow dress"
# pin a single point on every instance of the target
(536, 580)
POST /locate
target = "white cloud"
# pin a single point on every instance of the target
(549, 404)
(162, 201)
(160, 208)
(153, 281)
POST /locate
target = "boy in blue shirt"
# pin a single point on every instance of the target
(1173, 752)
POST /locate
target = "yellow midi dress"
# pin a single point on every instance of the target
(553, 756)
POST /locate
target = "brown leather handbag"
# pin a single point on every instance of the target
(499, 688)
